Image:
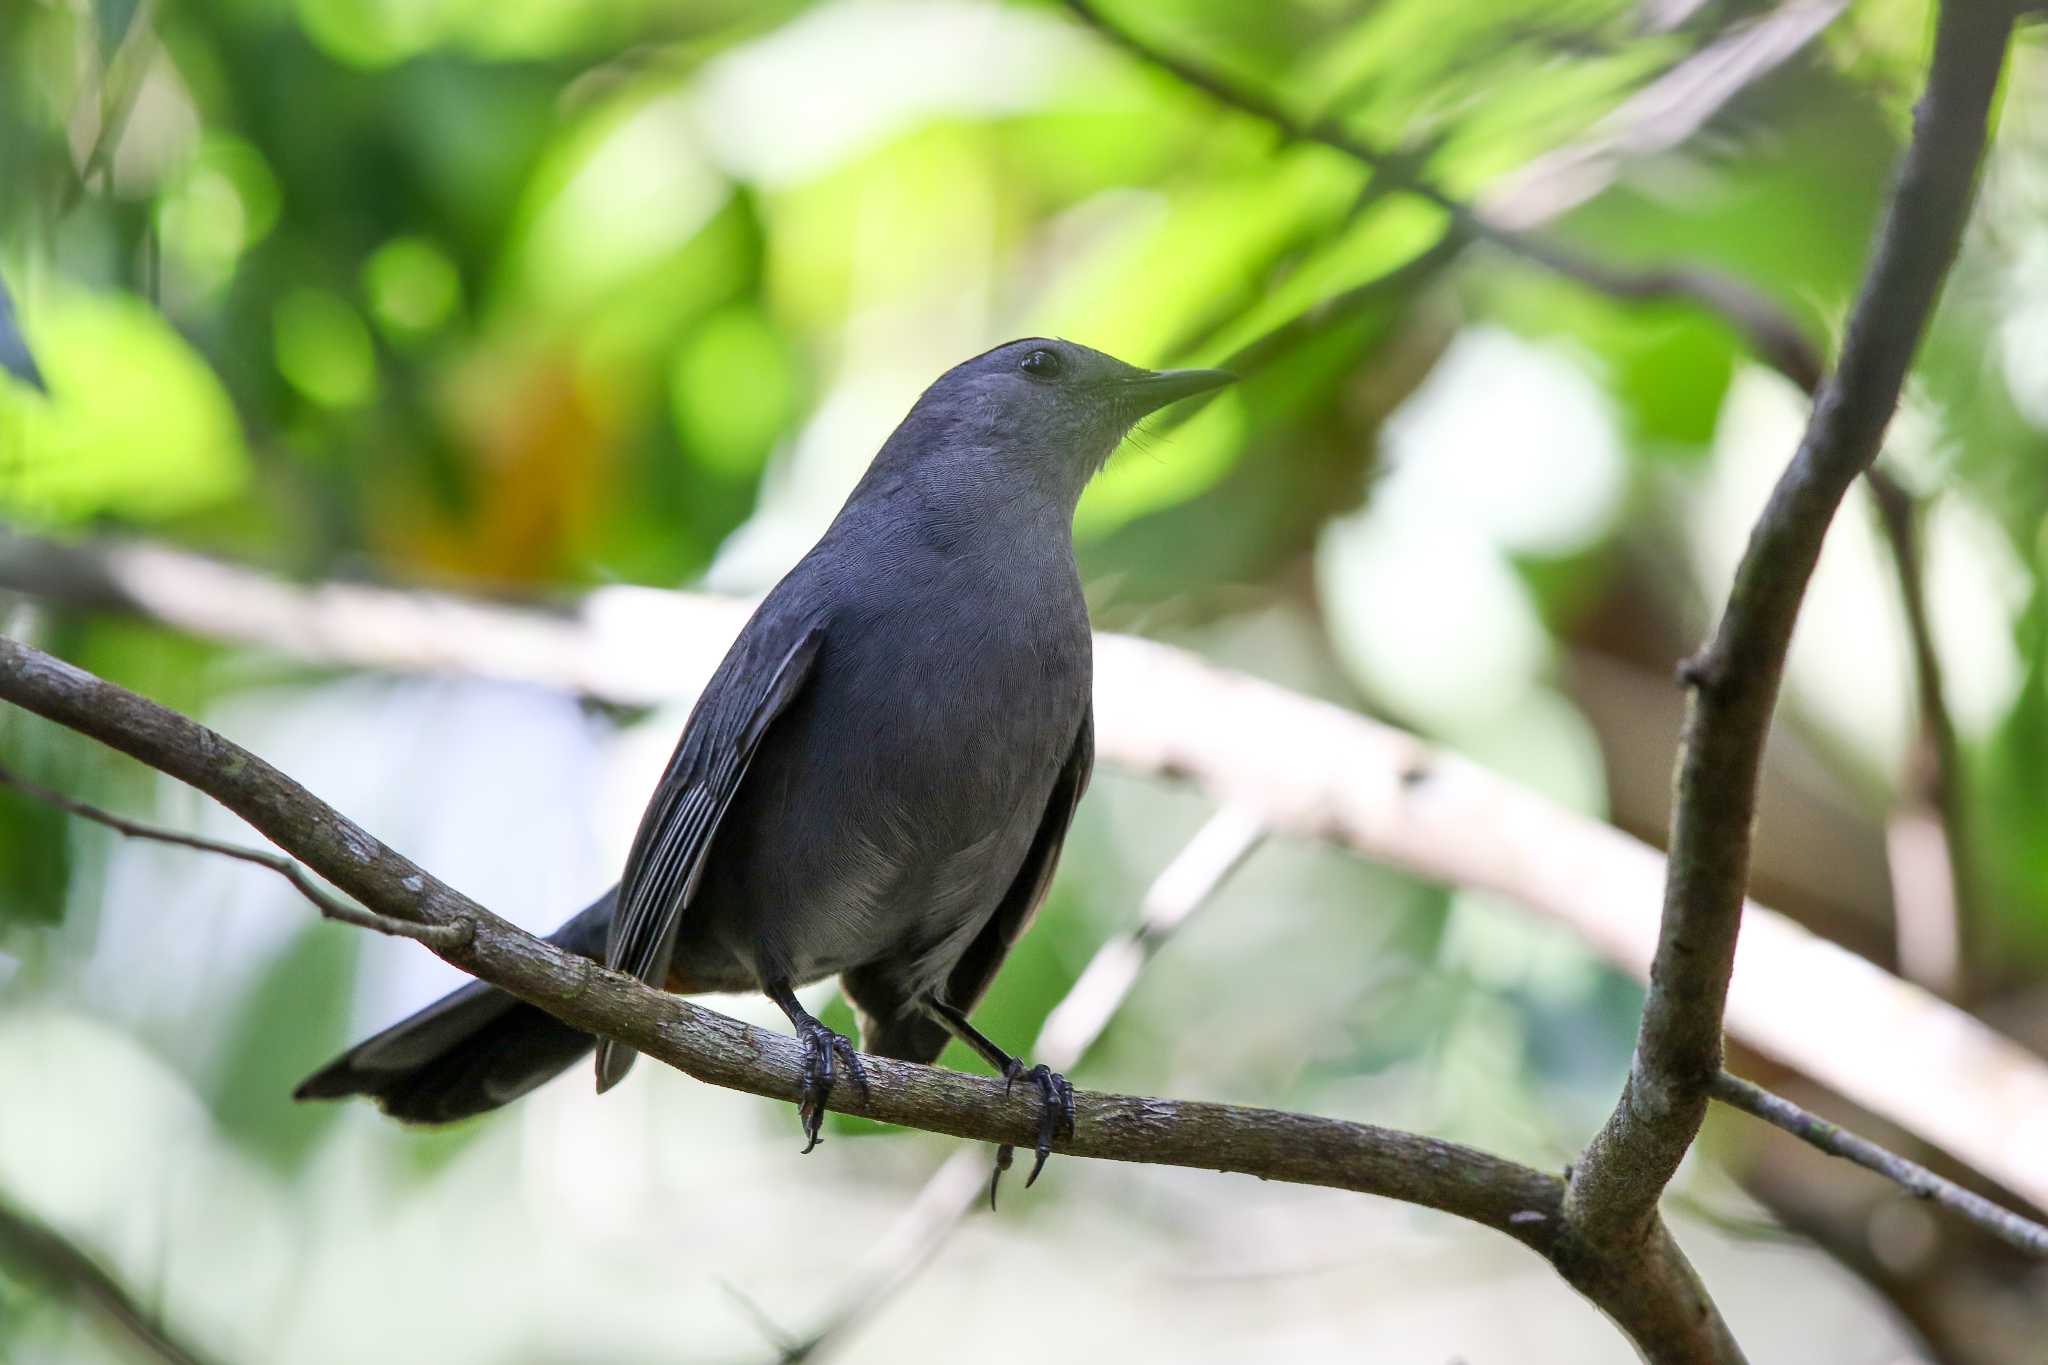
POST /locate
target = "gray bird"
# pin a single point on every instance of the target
(877, 780)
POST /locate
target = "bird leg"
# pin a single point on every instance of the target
(820, 1045)
(1056, 1095)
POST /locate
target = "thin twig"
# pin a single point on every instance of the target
(1936, 800)
(1734, 682)
(1188, 883)
(331, 906)
(36, 1249)
(1917, 1180)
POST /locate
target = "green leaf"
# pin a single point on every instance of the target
(296, 1014)
(136, 424)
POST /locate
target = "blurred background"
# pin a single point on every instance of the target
(542, 298)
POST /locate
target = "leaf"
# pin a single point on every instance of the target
(136, 425)
(35, 857)
(297, 1012)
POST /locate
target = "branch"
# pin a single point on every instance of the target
(1937, 915)
(1661, 116)
(625, 645)
(1651, 1292)
(1305, 768)
(1218, 849)
(120, 83)
(1921, 1183)
(1770, 331)
(1735, 681)
(332, 907)
(38, 1250)
(1664, 114)
(1937, 910)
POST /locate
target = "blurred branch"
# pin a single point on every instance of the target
(119, 87)
(1937, 913)
(1307, 768)
(1770, 331)
(36, 1250)
(1188, 883)
(630, 646)
(1933, 891)
(1917, 1180)
(1650, 1292)
(1661, 116)
(1734, 682)
(332, 907)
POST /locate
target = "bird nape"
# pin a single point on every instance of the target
(876, 782)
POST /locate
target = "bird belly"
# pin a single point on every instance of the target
(888, 811)
(831, 871)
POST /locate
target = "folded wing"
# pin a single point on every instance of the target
(766, 670)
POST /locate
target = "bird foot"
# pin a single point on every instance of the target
(1055, 1119)
(821, 1045)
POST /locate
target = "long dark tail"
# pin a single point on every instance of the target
(469, 1052)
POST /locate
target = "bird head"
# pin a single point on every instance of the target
(1050, 411)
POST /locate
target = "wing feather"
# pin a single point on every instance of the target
(752, 687)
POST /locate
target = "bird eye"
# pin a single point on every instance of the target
(1041, 365)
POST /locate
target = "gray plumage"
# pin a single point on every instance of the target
(877, 780)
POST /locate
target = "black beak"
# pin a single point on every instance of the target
(1154, 390)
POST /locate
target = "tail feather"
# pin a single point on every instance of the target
(468, 1052)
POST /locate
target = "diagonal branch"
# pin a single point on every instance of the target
(1651, 1293)
(1665, 113)
(1917, 1180)
(1937, 915)
(1937, 909)
(1769, 330)
(1734, 682)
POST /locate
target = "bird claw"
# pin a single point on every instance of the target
(821, 1045)
(1055, 1119)
(1004, 1155)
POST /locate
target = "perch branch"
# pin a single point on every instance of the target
(1651, 1293)
(1308, 769)
(1734, 682)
